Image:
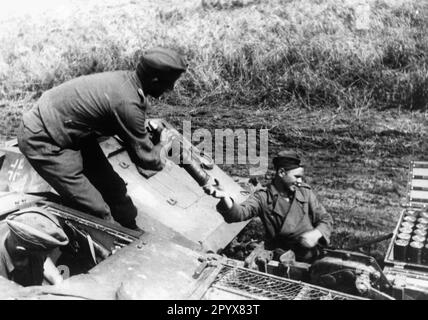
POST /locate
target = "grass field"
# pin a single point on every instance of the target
(345, 82)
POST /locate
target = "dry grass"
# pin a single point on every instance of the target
(350, 92)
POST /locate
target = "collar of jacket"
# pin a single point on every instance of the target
(299, 195)
(7, 260)
(139, 88)
(137, 81)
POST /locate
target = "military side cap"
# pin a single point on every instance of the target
(37, 229)
(162, 59)
(287, 159)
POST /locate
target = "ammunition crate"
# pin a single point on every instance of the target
(406, 260)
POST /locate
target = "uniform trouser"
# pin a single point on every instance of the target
(83, 178)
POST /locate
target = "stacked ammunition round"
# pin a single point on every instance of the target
(421, 226)
(414, 213)
(420, 232)
(405, 230)
(410, 218)
(407, 224)
(411, 242)
(400, 249)
(415, 252)
(404, 236)
(423, 221)
(417, 238)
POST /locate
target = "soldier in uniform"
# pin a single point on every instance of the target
(26, 239)
(293, 217)
(59, 134)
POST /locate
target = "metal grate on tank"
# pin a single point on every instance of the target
(257, 285)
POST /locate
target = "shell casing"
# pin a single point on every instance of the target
(407, 224)
(404, 236)
(400, 249)
(409, 218)
(421, 226)
(420, 232)
(405, 230)
(418, 238)
(414, 253)
(424, 215)
(423, 221)
(184, 158)
(413, 213)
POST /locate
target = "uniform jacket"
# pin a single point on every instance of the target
(284, 222)
(102, 104)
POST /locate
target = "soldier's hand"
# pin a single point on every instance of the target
(155, 129)
(110, 219)
(310, 238)
(166, 136)
(215, 190)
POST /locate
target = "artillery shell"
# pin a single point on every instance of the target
(420, 232)
(405, 230)
(404, 236)
(409, 218)
(418, 238)
(421, 226)
(400, 249)
(423, 221)
(414, 254)
(413, 213)
(424, 215)
(407, 224)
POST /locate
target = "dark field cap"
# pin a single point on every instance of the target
(37, 229)
(165, 60)
(287, 159)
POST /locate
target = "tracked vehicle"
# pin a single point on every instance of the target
(179, 253)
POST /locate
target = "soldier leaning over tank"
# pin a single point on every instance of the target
(293, 217)
(27, 238)
(58, 135)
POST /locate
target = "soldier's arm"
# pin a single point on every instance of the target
(51, 273)
(321, 219)
(233, 212)
(132, 130)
